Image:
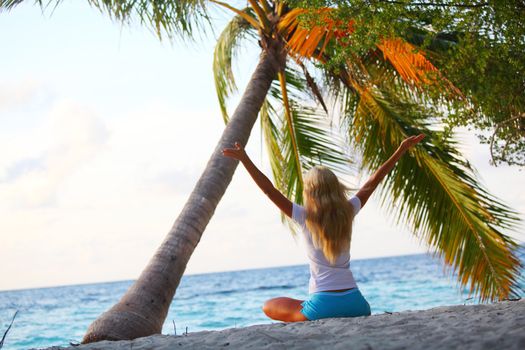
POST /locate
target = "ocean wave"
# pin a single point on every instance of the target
(237, 291)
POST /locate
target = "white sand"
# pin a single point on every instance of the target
(496, 326)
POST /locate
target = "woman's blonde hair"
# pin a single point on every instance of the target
(328, 213)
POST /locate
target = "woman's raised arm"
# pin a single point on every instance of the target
(370, 185)
(283, 203)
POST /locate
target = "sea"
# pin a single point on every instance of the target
(213, 301)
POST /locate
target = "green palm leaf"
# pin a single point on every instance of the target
(182, 17)
(271, 136)
(315, 140)
(436, 192)
(225, 50)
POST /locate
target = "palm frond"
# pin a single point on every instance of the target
(382, 74)
(313, 86)
(10, 4)
(303, 42)
(312, 42)
(315, 141)
(262, 16)
(287, 109)
(411, 65)
(250, 19)
(271, 137)
(182, 17)
(225, 50)
(270, 121)
(436, 192)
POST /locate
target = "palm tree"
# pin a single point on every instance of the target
(384, 94)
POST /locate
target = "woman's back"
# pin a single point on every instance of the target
(325, 276)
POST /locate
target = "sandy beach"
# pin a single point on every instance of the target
(491, 326)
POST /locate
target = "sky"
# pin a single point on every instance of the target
(104, 130)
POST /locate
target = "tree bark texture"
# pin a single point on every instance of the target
(144, 307)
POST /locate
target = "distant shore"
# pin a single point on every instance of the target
(490, 326)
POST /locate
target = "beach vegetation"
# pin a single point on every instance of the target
(478, 45)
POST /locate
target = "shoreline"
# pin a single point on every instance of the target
(485, 326)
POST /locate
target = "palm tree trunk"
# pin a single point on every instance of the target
(144, 307)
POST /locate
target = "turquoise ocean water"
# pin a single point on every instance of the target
(60, 315)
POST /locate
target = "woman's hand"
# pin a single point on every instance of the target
(370, 185)
(411, 142)
(237, 152)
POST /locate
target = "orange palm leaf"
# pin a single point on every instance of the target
(310, 42)
(304, 42)
(412, 65)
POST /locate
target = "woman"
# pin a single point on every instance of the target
(326, 224)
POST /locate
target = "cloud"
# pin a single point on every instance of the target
(19, 94)
(74, 136)
(23, 167)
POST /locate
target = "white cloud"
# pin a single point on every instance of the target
(74, 136)
(19, 94)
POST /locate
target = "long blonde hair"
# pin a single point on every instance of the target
(328, 213)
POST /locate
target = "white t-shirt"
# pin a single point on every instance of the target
(323, 275)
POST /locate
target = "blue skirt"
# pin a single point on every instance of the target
(350, 303)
